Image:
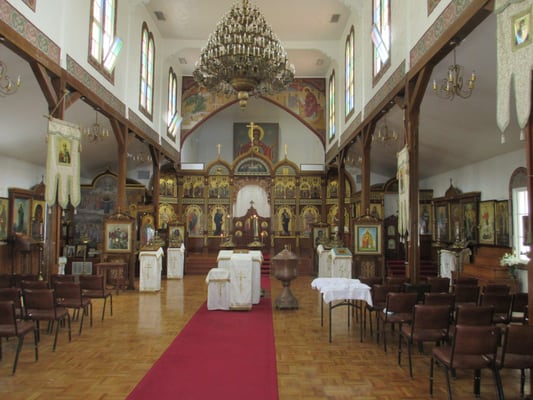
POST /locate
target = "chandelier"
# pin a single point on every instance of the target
(7, 85)
(140, 157)
(243, 56)
(384, 134)
(96, 132)
(452, 85)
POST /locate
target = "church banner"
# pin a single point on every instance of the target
(63, 163)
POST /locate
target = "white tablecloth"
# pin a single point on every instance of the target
(224, 258)
(240, 274)
(175, 262)
(224, 261)
(218, 290)
(150, 270)
(333, 289)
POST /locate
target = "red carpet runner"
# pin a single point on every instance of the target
(218, 355)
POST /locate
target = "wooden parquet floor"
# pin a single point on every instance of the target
(109, 359)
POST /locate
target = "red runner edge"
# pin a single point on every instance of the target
(219, 355)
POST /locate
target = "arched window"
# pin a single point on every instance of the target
(104, 46)
(146, 99)
(173, 115)
(331, 108)
(520, 211)
(349, 79)
(381, 37)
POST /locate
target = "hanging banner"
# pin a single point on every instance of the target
(403, 192)
(515, 61)
(63, 163)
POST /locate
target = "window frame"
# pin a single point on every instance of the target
(378, 70)
(103, 45)
(332, 130)
(172, 103)
(349, 75)
(146, 71)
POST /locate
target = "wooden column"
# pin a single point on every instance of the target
(156, 174)
(366, 142)
(123, 139)
(415, 89)
(342, 193)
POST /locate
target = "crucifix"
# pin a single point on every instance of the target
(285, 150)
(218, 147)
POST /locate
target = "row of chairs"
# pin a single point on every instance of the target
(440, 321)
(23, 308)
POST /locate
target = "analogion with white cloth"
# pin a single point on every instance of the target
(175, 262)
(324, 262)
(150, 270)
(341, 262)
(344, 290)
(218, 290)
(240, 274)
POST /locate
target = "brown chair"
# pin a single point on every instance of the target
(92, 287)
(398, 310)
(69, 294)
(440, 299)
(11, 326)
(466, 281)
(517, 351)
(502, 306)
(397, 280)
(466, 294)
(429, 324)
(13, 294)
(474, 348)
(34, 284)
(519, 308)
(16, 279)
(41, 305)
(471, 316)
(439, 284)
(496, 288)
(379, 300)
(5, 281)
(61, 278)
(369, 281)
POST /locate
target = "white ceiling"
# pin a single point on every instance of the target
(452, 133)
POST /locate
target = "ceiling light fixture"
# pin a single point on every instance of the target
(452, 85)
(243, 56)
(7, 85)
(96, 132)
(384, 134)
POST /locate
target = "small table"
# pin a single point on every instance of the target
(343, 289)
(103, 268)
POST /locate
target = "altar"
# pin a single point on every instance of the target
(324, 262)
(244, 280)
(175, 262)
(150, 270)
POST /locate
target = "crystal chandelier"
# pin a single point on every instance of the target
(243, 56)
(96, 132)
(452, 85)
(7, 85)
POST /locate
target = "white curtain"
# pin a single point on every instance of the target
(253, 193)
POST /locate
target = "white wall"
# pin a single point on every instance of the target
(303, 147)
(490, 177)
(19, 174)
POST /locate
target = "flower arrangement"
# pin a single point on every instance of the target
(511, 259)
